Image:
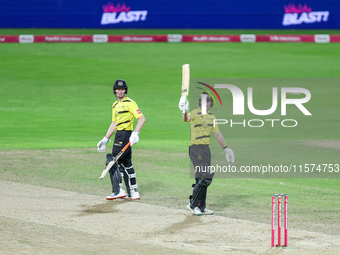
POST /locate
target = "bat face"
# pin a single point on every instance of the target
(185, 79)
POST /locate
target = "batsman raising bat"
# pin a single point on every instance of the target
(124, 110)
(201, 126)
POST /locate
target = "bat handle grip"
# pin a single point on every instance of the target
(126, 146)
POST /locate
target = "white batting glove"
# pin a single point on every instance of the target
(183, 104)
(134, 138)
(229, 155)
(101, 146)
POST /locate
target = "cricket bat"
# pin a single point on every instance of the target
(111, 163)
(185, 81)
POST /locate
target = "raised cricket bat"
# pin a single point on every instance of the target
(185, 81)
(111, 163)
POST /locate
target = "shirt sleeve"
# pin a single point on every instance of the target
(215, 128)
(135, 110)
(192, 115)
(113, 113)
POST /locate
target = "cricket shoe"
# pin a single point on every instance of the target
(134, 195)
(207, 212)
(195, 211)
(114, 196)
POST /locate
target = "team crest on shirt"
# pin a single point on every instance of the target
(122, 107)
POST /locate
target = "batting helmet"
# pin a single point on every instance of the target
(209, 98)
(120, 84)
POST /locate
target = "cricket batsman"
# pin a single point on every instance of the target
(124, 110)
(201, 126)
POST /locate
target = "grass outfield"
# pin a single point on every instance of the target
(56, 105)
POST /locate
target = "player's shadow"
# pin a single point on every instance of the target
(189, 222)
(108, 207)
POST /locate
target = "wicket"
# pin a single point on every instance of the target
(279, 219)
